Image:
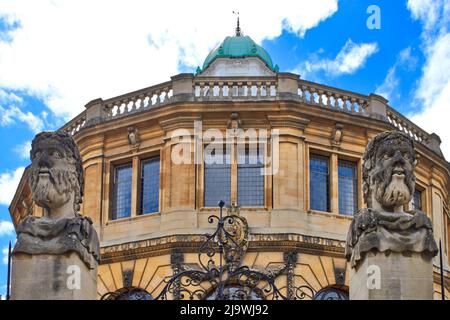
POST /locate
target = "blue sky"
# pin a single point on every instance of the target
(55, 56)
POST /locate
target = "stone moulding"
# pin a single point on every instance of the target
(191, 242)
(38, 236)
(372, 230)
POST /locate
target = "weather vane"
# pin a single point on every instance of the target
(238, 28)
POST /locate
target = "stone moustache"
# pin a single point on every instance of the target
(56, 183)
(388, 184)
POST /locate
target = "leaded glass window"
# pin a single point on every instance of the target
(250, 179)
(217, 177)
(150, 186)
(348, 186)
(319, 184)
(331, 294)
(417, 200)
(121, 202)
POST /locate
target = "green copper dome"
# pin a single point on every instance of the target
(239, 47)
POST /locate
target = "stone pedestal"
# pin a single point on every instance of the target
(52, 277)
(379, 276)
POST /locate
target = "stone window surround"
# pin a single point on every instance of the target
(424, 199)
(136, 161)
(334, 157)
(234, 180)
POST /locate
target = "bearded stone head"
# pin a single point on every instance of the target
(56, 178)
(388, 171)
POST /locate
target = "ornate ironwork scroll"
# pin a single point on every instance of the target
(220, 273)
(176, 260)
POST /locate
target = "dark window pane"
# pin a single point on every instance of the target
(319, 186)
(250, 179)
(121, 206)
(150, 186)
(348, 187)
(331, 294)
(217, 180)
(417, 200)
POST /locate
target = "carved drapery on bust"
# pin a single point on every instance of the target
(56, 183)
(388, 184)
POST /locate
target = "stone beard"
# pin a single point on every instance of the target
(388, 184)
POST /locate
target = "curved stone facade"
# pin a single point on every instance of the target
(310, 119)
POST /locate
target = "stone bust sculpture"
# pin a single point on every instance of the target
(388, 185)
(56, 183)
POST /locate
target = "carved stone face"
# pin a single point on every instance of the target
(389, 167)
(54, 179)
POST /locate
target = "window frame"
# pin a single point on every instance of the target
(329, 179)
(267, 180)
(142, 160)
(112, 216)
(247, 148)
(204, 174)
(334, 157)
(356, 188)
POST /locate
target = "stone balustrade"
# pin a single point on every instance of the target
(329, 97)
(187, 87)
(138, 100)
(403, 124)
(235, 88)
(76, 124)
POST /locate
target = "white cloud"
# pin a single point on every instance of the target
(5, 255)
(407, 60)
(12, 114)
(6, 228)
(8, 185)
(70, 52)
(23, 150)
(8, 97)
(389, 88)
(350, 58)
(433, 92)
(389, 85)
(432, 13)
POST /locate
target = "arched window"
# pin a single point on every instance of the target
(237, 292)
(128, 294)
(331, 293)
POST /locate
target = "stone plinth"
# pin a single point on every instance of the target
(379, 276)
(52, 277)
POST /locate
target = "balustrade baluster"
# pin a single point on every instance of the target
(311, 95)
(319, 100)
(352, 104)
(210, 89)
(329, 95)
(258, 89)
(240, 89)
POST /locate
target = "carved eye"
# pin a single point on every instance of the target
(386, 156)
(55, 154)
(37, 154)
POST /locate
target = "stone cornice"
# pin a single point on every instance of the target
(191, 243)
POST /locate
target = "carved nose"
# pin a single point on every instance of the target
(45, 161)
(398, 158)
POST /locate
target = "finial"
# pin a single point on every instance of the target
(238, 28)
